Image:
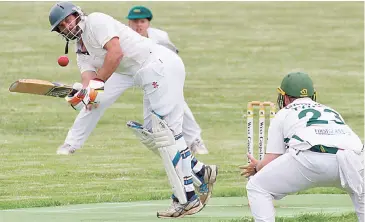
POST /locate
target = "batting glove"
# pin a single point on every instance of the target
(97, 84)
(79, 97)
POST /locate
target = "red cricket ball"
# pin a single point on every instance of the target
(63, 60)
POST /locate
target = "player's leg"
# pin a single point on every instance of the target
(354, 163)
(358, 201)
(86, 121)
(192, 132)
(163, 83)
(206, 173)
(204, 176)
(289, 173)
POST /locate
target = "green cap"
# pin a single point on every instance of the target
(139, 12)
(297, 84)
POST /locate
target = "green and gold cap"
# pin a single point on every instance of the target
(297, 84)
(139, 12)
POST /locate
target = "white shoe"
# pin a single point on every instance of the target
(198, 147)
(206, 189)
(65, 149)
(178, 210)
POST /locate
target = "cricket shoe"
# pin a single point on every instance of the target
(198, 147)
(178, 210)
(210, 177)
(65, 149)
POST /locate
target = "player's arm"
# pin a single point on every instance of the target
(275, 142)
(86, 76)
(87, 70)
(112, 59)
(162, 38)
(106, 34)
(171, 46)
(275, 147)
(168, 44)
(267, 159)
(82, 95)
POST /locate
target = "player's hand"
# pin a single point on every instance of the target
(77, 96)
(249, 169)
(80, 98)
(95, 88)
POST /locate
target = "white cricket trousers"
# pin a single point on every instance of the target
(293, 172)
(162, 80)
(86, 121)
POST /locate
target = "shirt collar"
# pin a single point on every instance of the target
(302, 100)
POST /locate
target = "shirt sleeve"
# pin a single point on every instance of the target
(170, 45)
(162, 38)
(84, 63)
(275, 138)
(103, 27)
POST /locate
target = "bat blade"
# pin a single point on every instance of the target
(40, 87)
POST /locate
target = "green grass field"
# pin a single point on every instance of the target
(234, 52)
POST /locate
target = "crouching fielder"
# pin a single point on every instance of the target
(309, 145)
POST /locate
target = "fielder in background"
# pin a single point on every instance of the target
(140, 21)
(309, 145)
(121, 58)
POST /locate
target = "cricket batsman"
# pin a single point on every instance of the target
(115, 48)
(140, 19)
(309, 145)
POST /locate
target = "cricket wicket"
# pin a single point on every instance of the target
(250, 129)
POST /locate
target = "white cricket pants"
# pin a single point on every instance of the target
(293, 172)
(162, 80)
(86, 121)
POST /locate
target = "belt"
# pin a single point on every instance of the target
(324, 149)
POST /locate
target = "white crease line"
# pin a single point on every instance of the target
(32, 210)
(311, 208)
(78, 209)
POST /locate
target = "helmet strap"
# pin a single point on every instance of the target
(314, 97)
(66, 47)
(280, 101)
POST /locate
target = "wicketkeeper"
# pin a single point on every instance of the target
(309, 145)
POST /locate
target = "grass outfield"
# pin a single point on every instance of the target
(234, 53)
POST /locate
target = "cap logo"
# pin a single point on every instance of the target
(304, 92)
(137, 10)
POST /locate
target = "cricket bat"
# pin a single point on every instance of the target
(40, 87)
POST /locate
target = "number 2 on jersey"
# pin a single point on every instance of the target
(316, 114)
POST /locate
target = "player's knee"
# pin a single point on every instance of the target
(253, 186)
(250, 187)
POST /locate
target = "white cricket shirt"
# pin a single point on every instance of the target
(305, 123)
(98, 29)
